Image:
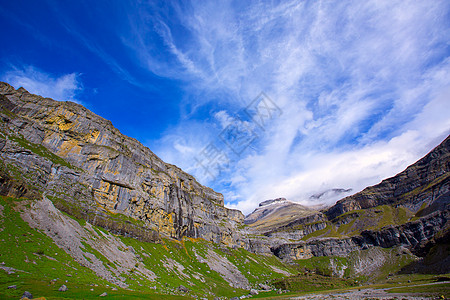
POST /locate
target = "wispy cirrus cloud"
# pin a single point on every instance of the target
(63, 87)
(359, 84)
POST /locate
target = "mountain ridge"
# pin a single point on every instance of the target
(414, 183)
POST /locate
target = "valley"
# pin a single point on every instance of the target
(84, 207)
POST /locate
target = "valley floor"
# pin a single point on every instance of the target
(432, 290)
(380, 294)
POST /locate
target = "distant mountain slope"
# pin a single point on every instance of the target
(272, 214)
(424, 184)
(418, 195)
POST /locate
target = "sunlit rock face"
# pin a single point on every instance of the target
(87, 167)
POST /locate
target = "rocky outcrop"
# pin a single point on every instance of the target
(413, 235)
(420, 184)
(322, 247)
(89, 169)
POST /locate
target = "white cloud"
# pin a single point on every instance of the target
(363, 85)
(62, 88)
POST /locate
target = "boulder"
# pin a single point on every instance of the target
(254, 292)
(63, 288)
(27, 294)
(183, 289)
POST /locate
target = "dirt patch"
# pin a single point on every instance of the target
(279, 271)
(225, 268)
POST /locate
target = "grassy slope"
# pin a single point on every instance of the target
(315, 275)
(366, 219)
(40, 262)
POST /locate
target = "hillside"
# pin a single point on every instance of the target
(407, 210)
(90, 170)
(87, 211)
(423, 184)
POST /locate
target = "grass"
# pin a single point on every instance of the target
(321, 265)
(121, 218)
(255, 267)
(313, 282)
(424, 290)
(441, 289)
(329, 231)
(365, 219)
(155, 257)
(38, 259)
(349, 267)
(40, 262)
(69, 209)
(42, 151)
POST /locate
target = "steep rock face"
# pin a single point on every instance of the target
(421, 183)
(85, 164)
(412, 235)
(320, 247)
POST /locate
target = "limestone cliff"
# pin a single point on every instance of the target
(89, 169)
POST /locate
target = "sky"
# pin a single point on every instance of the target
(307, 100)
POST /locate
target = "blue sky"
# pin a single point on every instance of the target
(352, 91)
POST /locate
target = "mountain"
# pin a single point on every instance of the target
(276, 213)
(89, 169)
(410, 210)
(86, 211)
(421, 185)
(82, 205)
